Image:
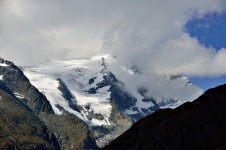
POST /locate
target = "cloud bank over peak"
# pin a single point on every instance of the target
(147, 34)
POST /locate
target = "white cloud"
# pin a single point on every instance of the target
(146, 33)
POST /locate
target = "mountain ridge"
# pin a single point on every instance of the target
(193, 125)
(20, 129)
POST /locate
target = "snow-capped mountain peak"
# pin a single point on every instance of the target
(76, 74)
(97, 90)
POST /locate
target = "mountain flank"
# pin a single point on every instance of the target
(20, 129)
(194, 125)
(27, 119)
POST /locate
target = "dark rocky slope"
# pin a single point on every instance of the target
(71, 132)
(20, 129)
(18, 83)
(195, 125)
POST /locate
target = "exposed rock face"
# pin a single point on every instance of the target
(20, 129)
(119, 120)
(18, 83)
(68, 96)
(119, 123)
(71, 132)
(193, 125)
(28, 120)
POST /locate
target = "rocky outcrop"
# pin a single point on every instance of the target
(119, 123)
(193, 125)
(20, 129)
(71, 132)
(68, 96)
(18, 83)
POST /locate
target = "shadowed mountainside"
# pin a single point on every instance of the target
(194, 125)
(21, 129)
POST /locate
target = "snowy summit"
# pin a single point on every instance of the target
(83, 76)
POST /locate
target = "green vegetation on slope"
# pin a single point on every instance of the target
(20, 129)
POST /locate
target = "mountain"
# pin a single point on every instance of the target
(107, 96)
(194, 125)
(28, 120)
(20, 86)
(21, 129)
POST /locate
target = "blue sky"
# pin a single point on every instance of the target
(210, 31)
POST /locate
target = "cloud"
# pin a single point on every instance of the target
(147, 34)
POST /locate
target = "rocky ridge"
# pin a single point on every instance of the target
(20, 129)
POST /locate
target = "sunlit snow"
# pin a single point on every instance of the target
(19, 95)
(76, 75)
(3, 65)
